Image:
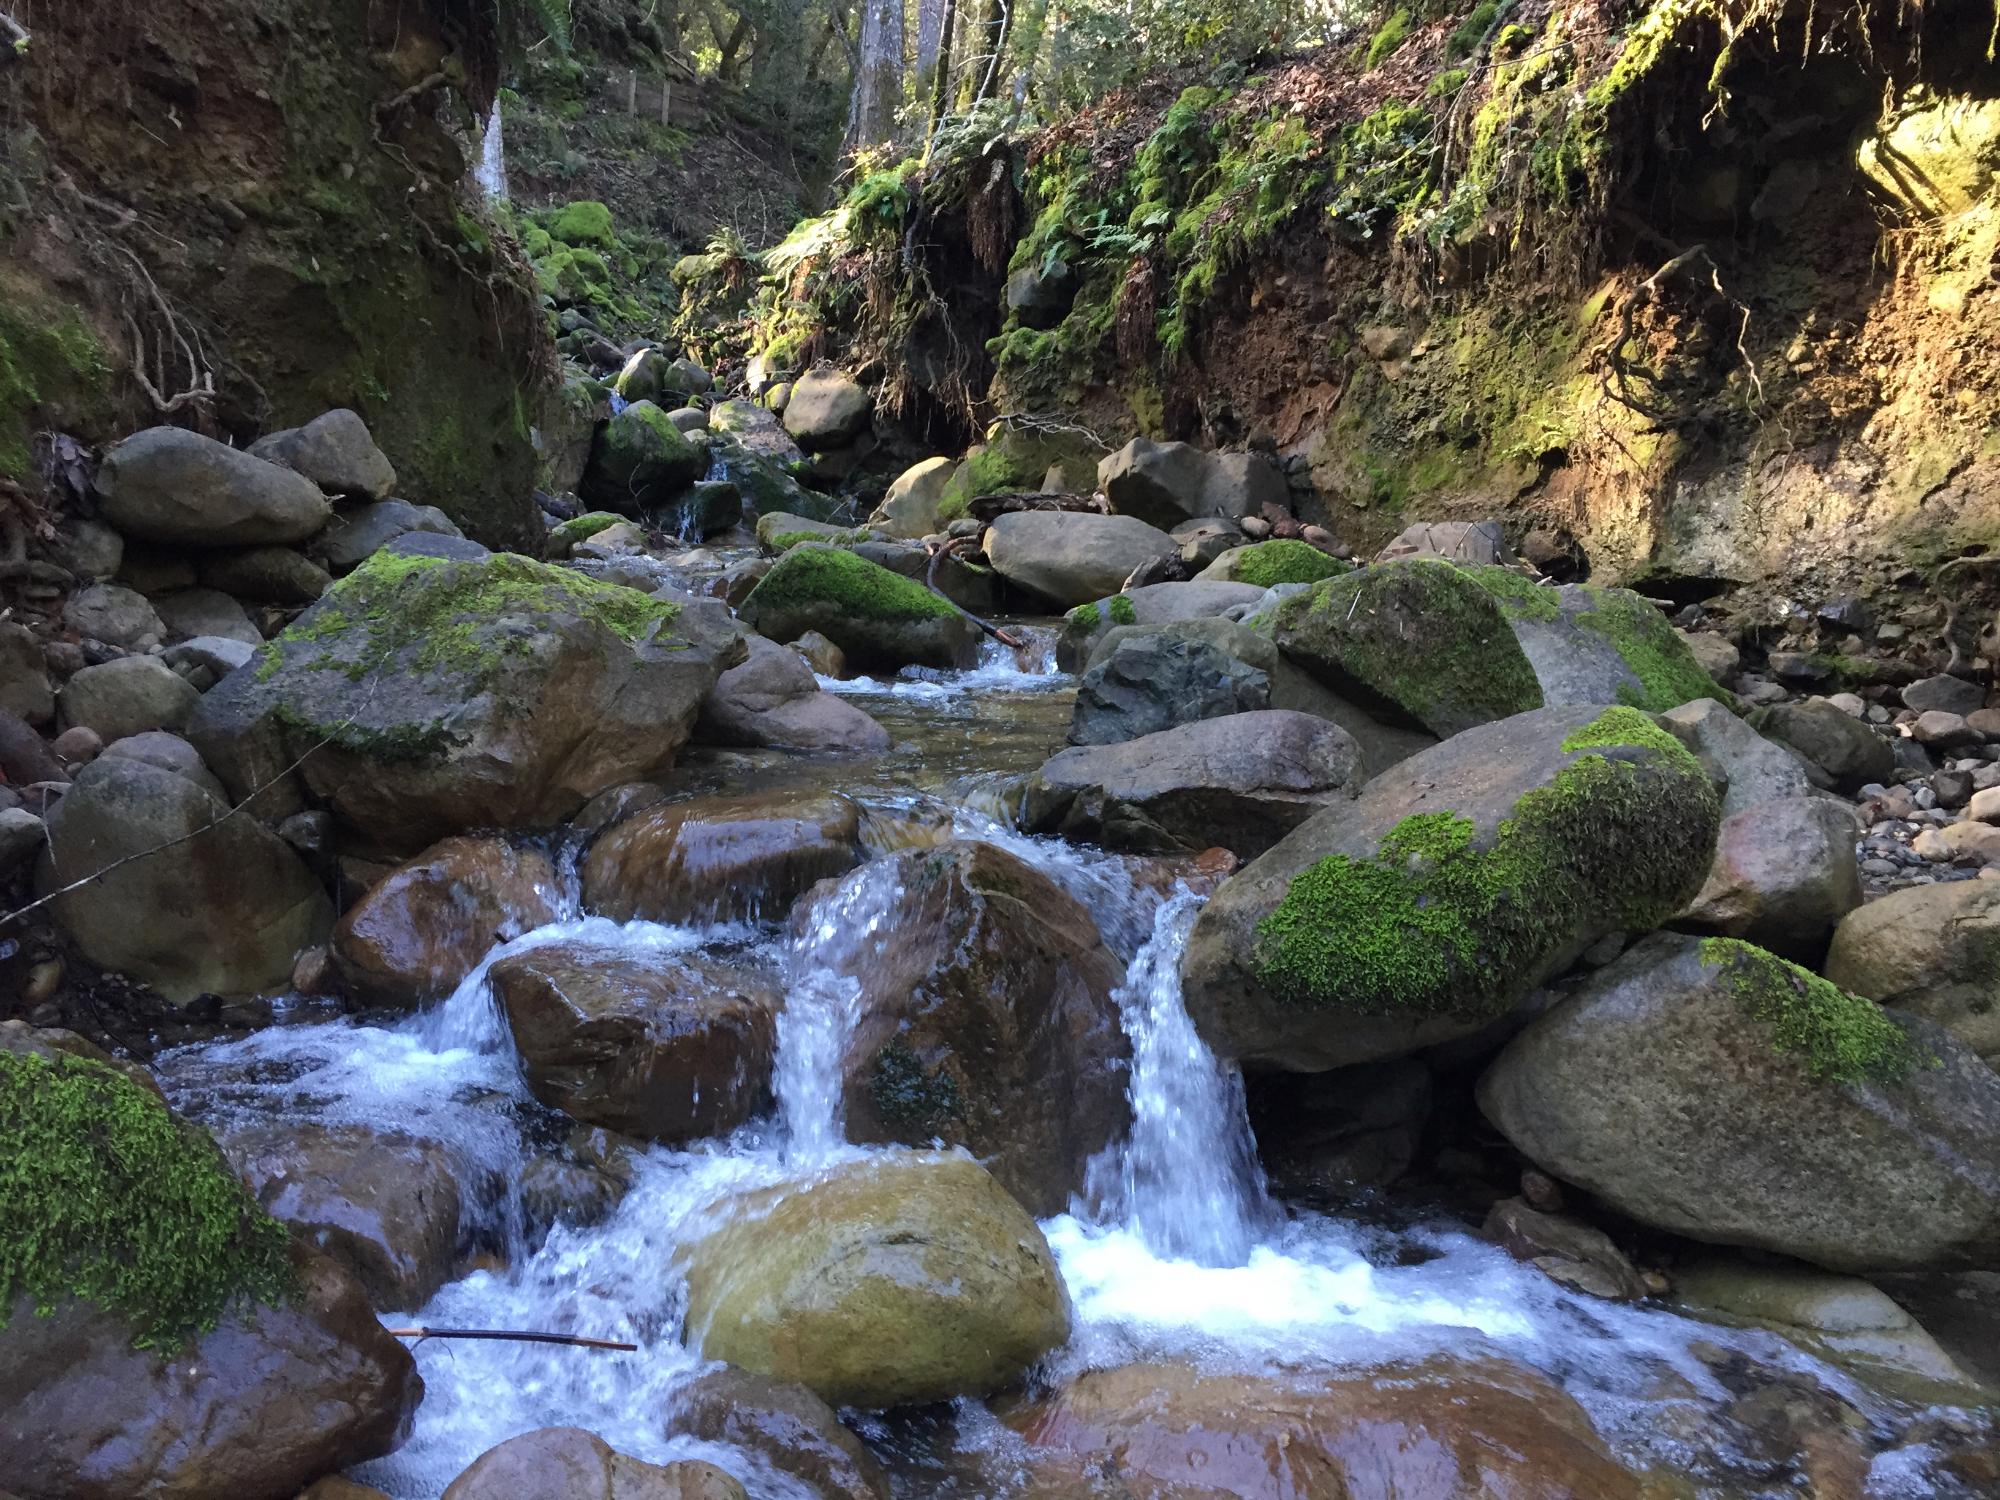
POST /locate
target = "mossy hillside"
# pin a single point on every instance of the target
(106, 1197)
(859, 588)
(1267, 564)
(1445, 920)
(49, 360)
(1418, 636)
(1837, 1037)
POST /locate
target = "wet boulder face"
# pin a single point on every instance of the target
(1596, 646)
(1431, 905)
(1072, 557)
(567, 1463)
(1710, 1089)
(1784, 875)
(426, 924)
(773, 699)
(439, 695)
(184, 1343)
(881, 619)
(1419, 639)
(720, 859)
(175, 487)
(785, 1424)
(1931, 950)
(1154, 604)
(640, 460)
(667, 1047)
(336, 453)
(986, 1021)
(222, 907)
(1444, 1430)
(892, 1281)
(1242, 782)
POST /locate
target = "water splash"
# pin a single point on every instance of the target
(490, 172)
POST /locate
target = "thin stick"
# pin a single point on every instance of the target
(510, 1335)
(930, 582)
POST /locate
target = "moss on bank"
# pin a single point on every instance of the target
(105, 1196)
(1443, 922)
(1840, 1038)
(47, 355)
(862, 589)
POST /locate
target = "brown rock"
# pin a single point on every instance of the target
(790, 1427)
(428, 923)
(567, 1463)
(1572, 1253)
(1784, 875)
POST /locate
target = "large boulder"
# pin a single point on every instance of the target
(1749, 768)
(387, 1206)
(1151, 604)
(667, 1047)
(1596, 646)
(1072, 557)
(1446, 1429)
(774, 700)
(188, 899)
(910, 508)
(1144, 679)
(1430, 906)
(176, 487)
(827, 410)
(336, 453)
(985, 1020)
(1784, 876)
(358, 534)
(879, 618)
(427, 924)
(1243, 781)
(166, 1336)
(1932, 950)
(1839, 752)
(438, 695)
(640, 460)
(567, 1463)
(899, 1279)
(1776, 1111)
(783, 1423)
(720, 859)
(1165, 484)
(1419, 640)
(1268, 564)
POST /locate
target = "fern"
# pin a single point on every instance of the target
(551, 17)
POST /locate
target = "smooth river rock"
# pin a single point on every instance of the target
(176, 487)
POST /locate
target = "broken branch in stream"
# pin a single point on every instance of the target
(938, 555)
(512, 1335)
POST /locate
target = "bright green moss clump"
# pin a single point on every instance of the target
(862, 589)
(586, 222)
(106, 1197)
(1085, 617)
(1444, 922)
(1667, 671)
(1391, 35)
(1121, 610)
(1516, 593)
(1266, 564)
(581, 529)
(1841, 1038)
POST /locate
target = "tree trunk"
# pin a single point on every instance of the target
(941, 79)
(930, 30)
(878, 78)
(984, 65)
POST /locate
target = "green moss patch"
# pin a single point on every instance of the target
(1654, 653)
(46, 355)
(1121, 611)
(860, 588)
(1085, 617)
(581, 529)
(908, 1097)
(1443, 922)
(1840, 1038)
(105, 1196)
(1267, 564)
(1518, 595)
(586, 222)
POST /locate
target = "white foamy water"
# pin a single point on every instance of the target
(1001, 669)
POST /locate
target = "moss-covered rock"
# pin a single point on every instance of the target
(580, 529)
(1014, 459)
(442, 695)
(641, 460)
(585, 222)
(1779, 1112)
(780, 531)
(1457, 882)
(897, 1280)
(1419, 639)
(1267, 564)
(879, 618)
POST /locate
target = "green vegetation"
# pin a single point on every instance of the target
(1442, 921)
(106, 1197)
(1518, 595)
(46, 354)
(586, 222)
(1120, 610)
(1472, 30)
(1654, 653)
(1841, 1038)
(580, 529)
(861, 589)
(1084, 617)
(1267, 564)
(909, 1098)
(1388, 37)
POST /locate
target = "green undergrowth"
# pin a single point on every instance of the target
(47, 356)
(1284, 560)
(862, 589)
(1443, 920)
(1838, 1037)
(622, 282)
(104, 1196)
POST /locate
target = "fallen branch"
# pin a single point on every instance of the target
(938, 555)
(16, 35)
(510, 1335)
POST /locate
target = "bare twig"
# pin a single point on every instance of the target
(16, 36)
(938, 555)
(511, 1335)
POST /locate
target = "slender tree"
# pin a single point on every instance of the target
(878, 76)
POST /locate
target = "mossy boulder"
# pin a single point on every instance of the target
(1014, 459)
(780, 531)
(1932, 950)
(1151, 604)
(879, 618)
(1430, 906)
(641, 460)
(585, 222)
(1268, 564)
(439, 695)
(1419, 640)
(1708, 1088)
(901, 1279)
(564, 538)
(1596, 646)
(140, 1283)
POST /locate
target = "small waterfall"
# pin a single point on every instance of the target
(490, 172)
(1187, 1179)
(823, 1006)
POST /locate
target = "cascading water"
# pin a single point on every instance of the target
(490, 172)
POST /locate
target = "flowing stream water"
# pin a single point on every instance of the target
(1175, 1250)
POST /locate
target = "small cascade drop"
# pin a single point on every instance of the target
(1187, 1179)
(490, 172)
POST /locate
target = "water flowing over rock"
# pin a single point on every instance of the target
(1932, 950)
(773, 699)
(1778, 1112)
(900, 1279)
(438, 696)
(176, 487)
(787, 1424)
(567, 1463)
(1428, 907)
(1072, 557)
(984, 1019)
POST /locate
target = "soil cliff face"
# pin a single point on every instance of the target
(239, 213)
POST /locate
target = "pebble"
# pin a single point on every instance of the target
(78, 745)
(1985, 806)
(1880, 866)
